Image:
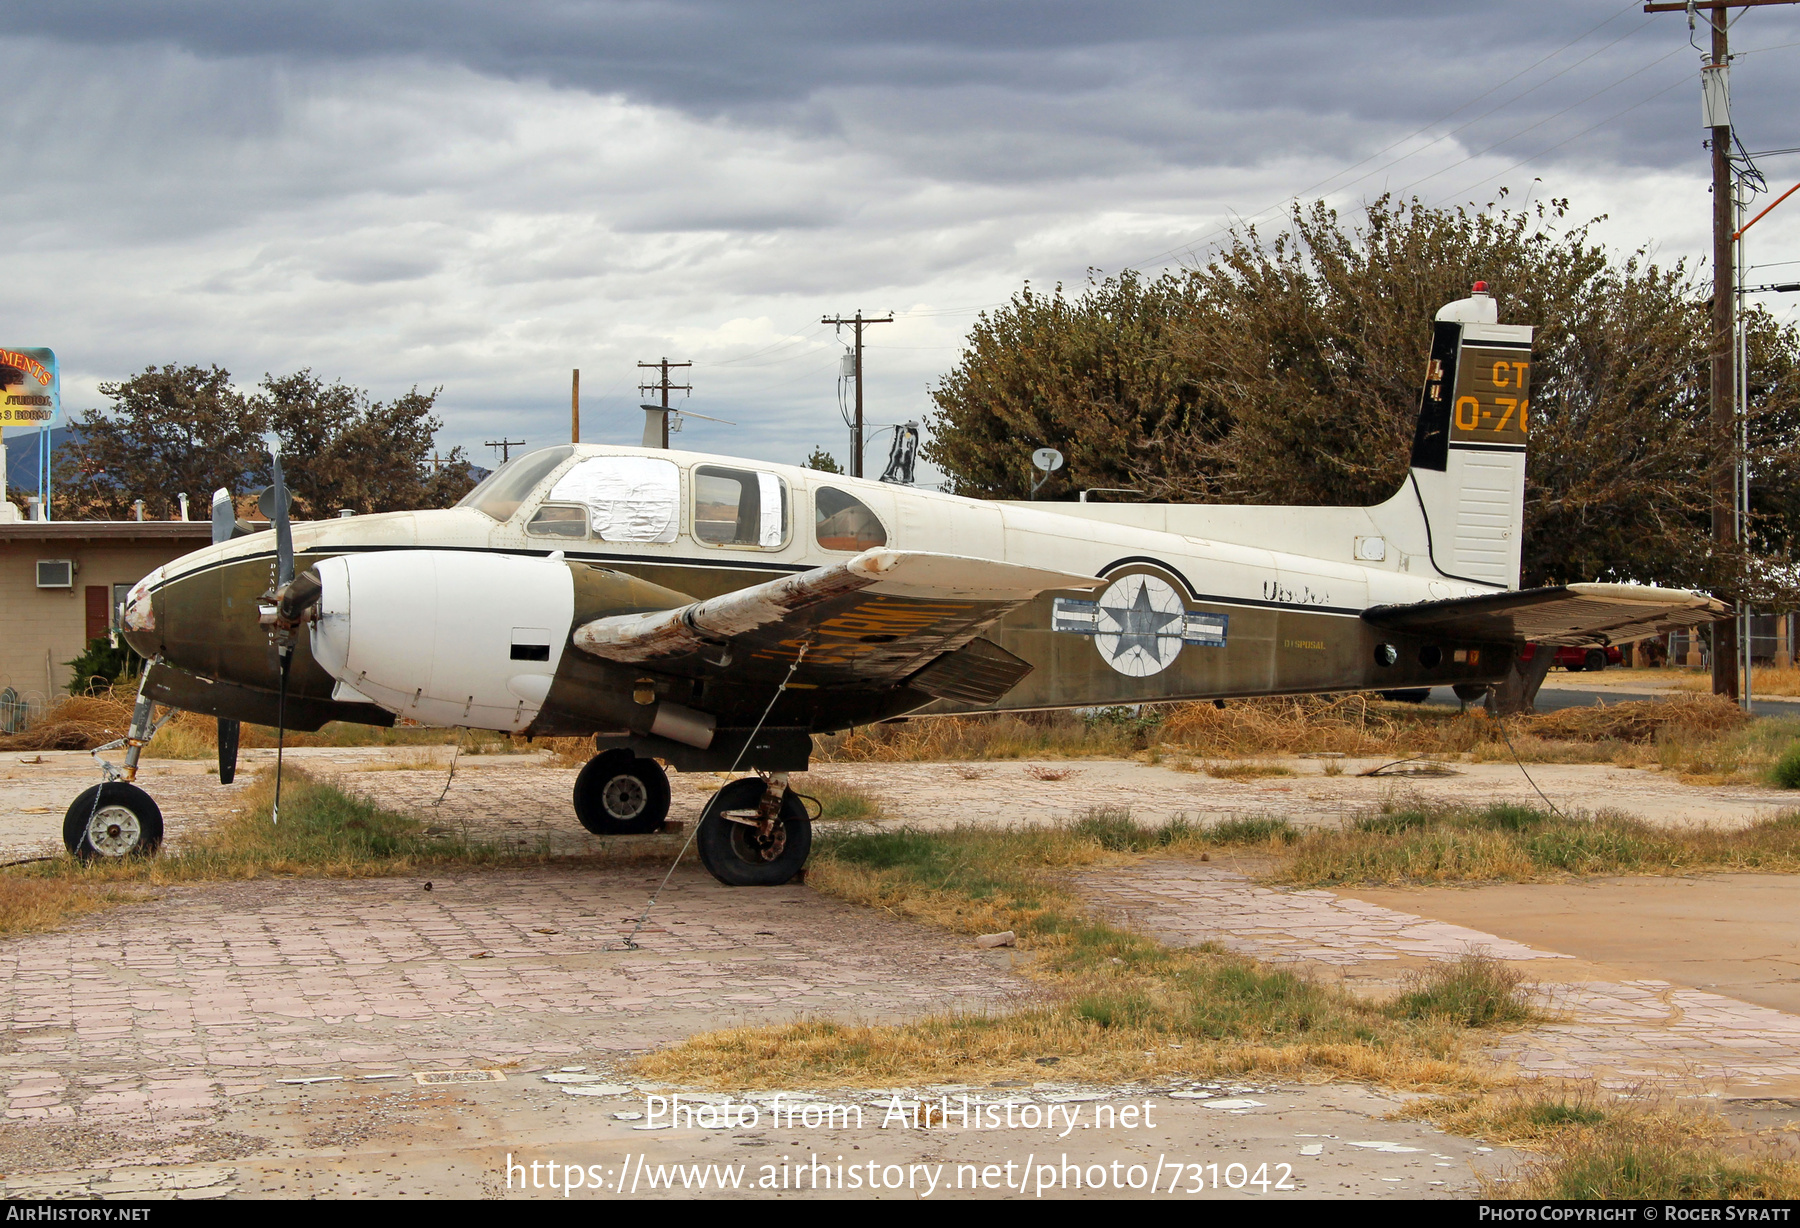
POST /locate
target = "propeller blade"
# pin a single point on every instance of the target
(228, 749)
(284, 531)
(287, 658)
(224, 516)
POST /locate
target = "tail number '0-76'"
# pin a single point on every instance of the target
(1493, 396)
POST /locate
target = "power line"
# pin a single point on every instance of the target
(858, 322)
(665, 388)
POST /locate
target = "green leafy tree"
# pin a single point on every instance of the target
(1093, 376)
(176, 429)
(823, 461)
(170, 430)
(340, 449)
(1288, 369)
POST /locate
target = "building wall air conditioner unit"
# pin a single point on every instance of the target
(55, 573)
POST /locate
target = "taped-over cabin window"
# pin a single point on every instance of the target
(628, 498)
(740, 507)
(844, 522)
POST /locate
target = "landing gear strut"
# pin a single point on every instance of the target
(116, 818)
(619, 794)
(755, 832)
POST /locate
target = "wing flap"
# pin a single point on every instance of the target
(1569, 614)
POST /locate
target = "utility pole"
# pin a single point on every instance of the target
(1716, 114)
(575, 407)
(505, 446)
(665, 387)
(856, 431)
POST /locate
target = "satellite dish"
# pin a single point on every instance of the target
(1047, 459)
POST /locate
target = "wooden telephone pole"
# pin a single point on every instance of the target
(575, 407)
(856, 431)
(665, 387)
(1715, 94)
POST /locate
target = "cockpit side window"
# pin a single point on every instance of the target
(841, 521)
(740, 507)
(628, 498)
(558, 520)
(501, 493)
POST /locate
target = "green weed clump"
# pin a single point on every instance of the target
(1474, 991)
(1786, 770)
(1649, 1159)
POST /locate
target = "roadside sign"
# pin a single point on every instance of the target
(30, 389)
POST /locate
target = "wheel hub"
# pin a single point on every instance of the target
(758, 841)
(114, 831)
(624, 797)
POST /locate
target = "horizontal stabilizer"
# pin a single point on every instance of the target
(1572, 614)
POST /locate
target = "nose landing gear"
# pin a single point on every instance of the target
(619, 794)
(116, 818)
(113, 820)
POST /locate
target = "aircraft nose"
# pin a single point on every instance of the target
(138, 621)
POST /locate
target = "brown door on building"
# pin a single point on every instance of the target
(98, 610)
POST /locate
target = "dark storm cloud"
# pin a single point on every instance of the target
(969, 90)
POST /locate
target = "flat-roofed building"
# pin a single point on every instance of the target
(60, 586)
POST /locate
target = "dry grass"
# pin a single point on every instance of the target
(1648, 1156)
(1420, 843)
(1677, 731)
(1247, 770)
(30, 905)
(82, 722)
(1764, 680)
(1111, 1005)
(1589, 1144)
(1026, 735)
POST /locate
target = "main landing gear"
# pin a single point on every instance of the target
(619, 794)
(755, 832)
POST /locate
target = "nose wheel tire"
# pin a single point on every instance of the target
(619, 794)
(111, 821)
(738, 854)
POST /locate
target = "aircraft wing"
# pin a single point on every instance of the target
(883, 617)
(1569, 614)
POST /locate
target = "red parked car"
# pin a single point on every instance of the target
(1578, 659)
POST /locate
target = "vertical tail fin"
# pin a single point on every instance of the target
(1468, 461)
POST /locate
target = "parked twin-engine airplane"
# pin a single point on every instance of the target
(714, 614)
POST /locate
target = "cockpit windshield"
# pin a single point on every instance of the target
(501, 492)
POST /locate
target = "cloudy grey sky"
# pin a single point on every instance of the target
(482, 196)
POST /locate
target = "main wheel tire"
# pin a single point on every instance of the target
(735, 854)
(1595, 660)
(113, 820)
(618, 794)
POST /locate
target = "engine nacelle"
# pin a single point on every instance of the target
(444, 637)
